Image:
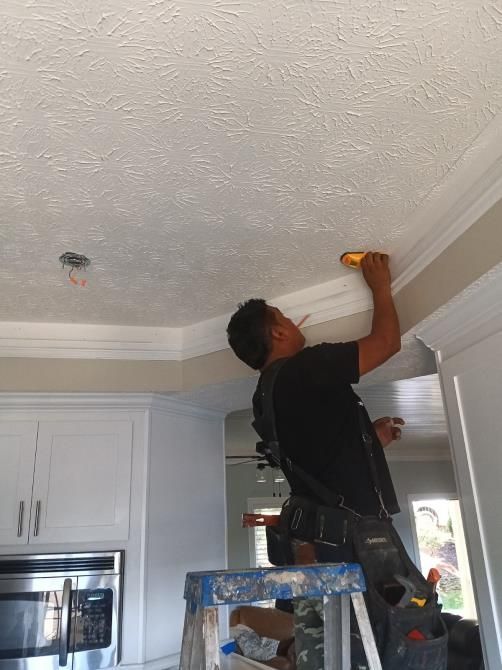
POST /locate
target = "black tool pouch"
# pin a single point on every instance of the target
(307, 520)
(381, 553)
(279, 549)
(327, 528)
(332, 526)
(298, 518)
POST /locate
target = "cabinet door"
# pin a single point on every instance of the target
(82, 481)
(18, 441)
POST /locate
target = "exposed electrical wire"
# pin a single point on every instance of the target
(75, 262)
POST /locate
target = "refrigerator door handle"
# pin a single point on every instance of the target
(20, 517)
(37, 517)
(65, 624)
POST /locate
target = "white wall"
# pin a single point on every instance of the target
(186, 519)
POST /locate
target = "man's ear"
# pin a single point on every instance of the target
(278, 332)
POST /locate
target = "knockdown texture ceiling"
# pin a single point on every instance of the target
(201, 152)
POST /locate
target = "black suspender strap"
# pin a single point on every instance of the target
(368, 450)
(265, 426)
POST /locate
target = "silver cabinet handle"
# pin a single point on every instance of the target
(20, 519)
(37, 517)
(65, 624)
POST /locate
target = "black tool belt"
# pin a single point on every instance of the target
(329, 529)
(304, 519)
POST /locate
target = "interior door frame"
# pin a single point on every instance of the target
(460, 334)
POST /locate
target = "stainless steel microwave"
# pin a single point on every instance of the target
(60, 611)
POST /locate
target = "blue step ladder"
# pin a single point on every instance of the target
(335, 583)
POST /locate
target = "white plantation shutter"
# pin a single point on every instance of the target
(259, 558)
(258, 537)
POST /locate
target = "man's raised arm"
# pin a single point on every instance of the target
(385, 338)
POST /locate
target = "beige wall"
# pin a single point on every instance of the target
(468, 258)
(213, 368)
(464, 261)
(92, 376)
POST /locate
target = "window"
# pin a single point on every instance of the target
(258, 555)
(440, 543)
(257, 537)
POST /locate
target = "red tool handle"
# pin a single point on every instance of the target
(253, 520)
(433, 578)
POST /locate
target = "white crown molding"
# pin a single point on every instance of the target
(331, 300)
(68, 340)
(455, 205)
(472, 316)
(128, 402)
(434, 226)
(324, 302)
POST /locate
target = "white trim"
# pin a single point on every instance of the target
(145, 535)
(434, 225)
(157, 664)
(474, 315)
(324, 302)
(233, 661)
(110, 401)
(68, 340)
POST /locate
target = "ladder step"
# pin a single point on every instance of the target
(335, 583)
(234, 587)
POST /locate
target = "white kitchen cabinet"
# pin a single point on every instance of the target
(18, 441)
(82, 481)
(65, 481)
(111, 472)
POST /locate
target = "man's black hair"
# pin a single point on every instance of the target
(248, 332)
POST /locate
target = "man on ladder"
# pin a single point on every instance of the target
(318, 420)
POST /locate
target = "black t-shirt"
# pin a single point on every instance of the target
(318, 426)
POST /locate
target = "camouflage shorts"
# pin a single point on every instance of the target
(309, 637)
(309, 634)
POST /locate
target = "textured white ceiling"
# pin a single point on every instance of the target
(200, 151)
(418, 401)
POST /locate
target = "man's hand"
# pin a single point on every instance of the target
(387, 429)
(376, 271)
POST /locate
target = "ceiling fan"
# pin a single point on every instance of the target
(246, 459)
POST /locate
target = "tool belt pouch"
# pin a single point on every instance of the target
(301, 519)
(379, 550)
(309, 521)
(332, 526)
(279, 549)
(327, 528)
(297, 513)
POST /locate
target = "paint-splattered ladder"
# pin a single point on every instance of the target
(336, 583)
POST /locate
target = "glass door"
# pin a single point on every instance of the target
(36, 623)
(441, 545)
